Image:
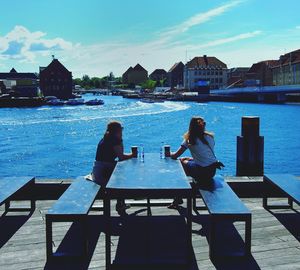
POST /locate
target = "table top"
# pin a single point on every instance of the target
(154, 174)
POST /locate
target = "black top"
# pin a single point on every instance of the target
(105, 149)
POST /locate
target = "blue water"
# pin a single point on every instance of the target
(60, 142)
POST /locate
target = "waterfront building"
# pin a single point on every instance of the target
(56, 80)
(287, 69)
(24, 84)
(175, 75)
(236, 76)
(135, 75)
(158, 75)
(205, 72)
(260, 74)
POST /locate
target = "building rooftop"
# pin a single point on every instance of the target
(55, 63)
(138, 67)
(205, 61)
(158, 71)
(13, 74)
(257, 66)
(175, 66)
(288, 58)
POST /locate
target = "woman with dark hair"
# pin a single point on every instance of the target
(109, 149)
(202, 165)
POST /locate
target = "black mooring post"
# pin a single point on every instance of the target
(250, 149)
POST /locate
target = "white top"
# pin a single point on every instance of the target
(201, 153)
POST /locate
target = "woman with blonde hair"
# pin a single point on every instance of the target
(202, 165)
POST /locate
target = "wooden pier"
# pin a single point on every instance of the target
(275, 235)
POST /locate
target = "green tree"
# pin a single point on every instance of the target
(149, 84)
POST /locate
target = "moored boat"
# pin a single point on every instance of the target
(94, 102)
(55, 102)
(75, 101)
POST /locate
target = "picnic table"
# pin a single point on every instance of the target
(153, 178)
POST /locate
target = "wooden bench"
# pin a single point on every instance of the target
(223, 204)
(11, 187)
(287, 184)
(74, 205)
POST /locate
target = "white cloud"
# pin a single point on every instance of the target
(199, 18)
(21, 44)
(227, 40)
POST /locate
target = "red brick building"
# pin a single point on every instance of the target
(260, 73)
(158, 75)
(175, 75)
(56, 80)
(135, 75)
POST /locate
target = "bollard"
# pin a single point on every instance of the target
(250, 149)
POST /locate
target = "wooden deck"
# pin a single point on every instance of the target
(275, 238)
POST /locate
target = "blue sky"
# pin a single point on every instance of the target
(95, 37)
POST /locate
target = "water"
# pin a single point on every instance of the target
(60, 142)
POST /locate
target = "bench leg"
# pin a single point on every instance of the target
(107, 233)
(212, 237)
(148, 207)
(7, 205)
(49, 249)
(265, 202)
(32, 205)
(189, 229)
(85, 237)
(248, 227)
(290, 201)
(194, 204)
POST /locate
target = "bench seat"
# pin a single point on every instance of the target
(11, 186)
(288, 184)
(74, 205)
(223, 204)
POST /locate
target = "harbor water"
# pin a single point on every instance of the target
(60, 142)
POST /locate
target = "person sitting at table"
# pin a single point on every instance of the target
(201, 145)
(109, 149)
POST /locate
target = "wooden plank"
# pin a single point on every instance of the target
(274, 247)
(77, 199)
(288, 183)
(220, 199)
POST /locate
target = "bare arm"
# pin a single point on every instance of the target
(178, 153)
(119, 150)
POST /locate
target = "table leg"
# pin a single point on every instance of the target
(107, 232)
(189, 228)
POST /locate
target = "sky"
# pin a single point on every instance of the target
(95, 37)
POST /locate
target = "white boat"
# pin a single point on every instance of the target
(55, 102)
(75, 101)
(94, 102)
